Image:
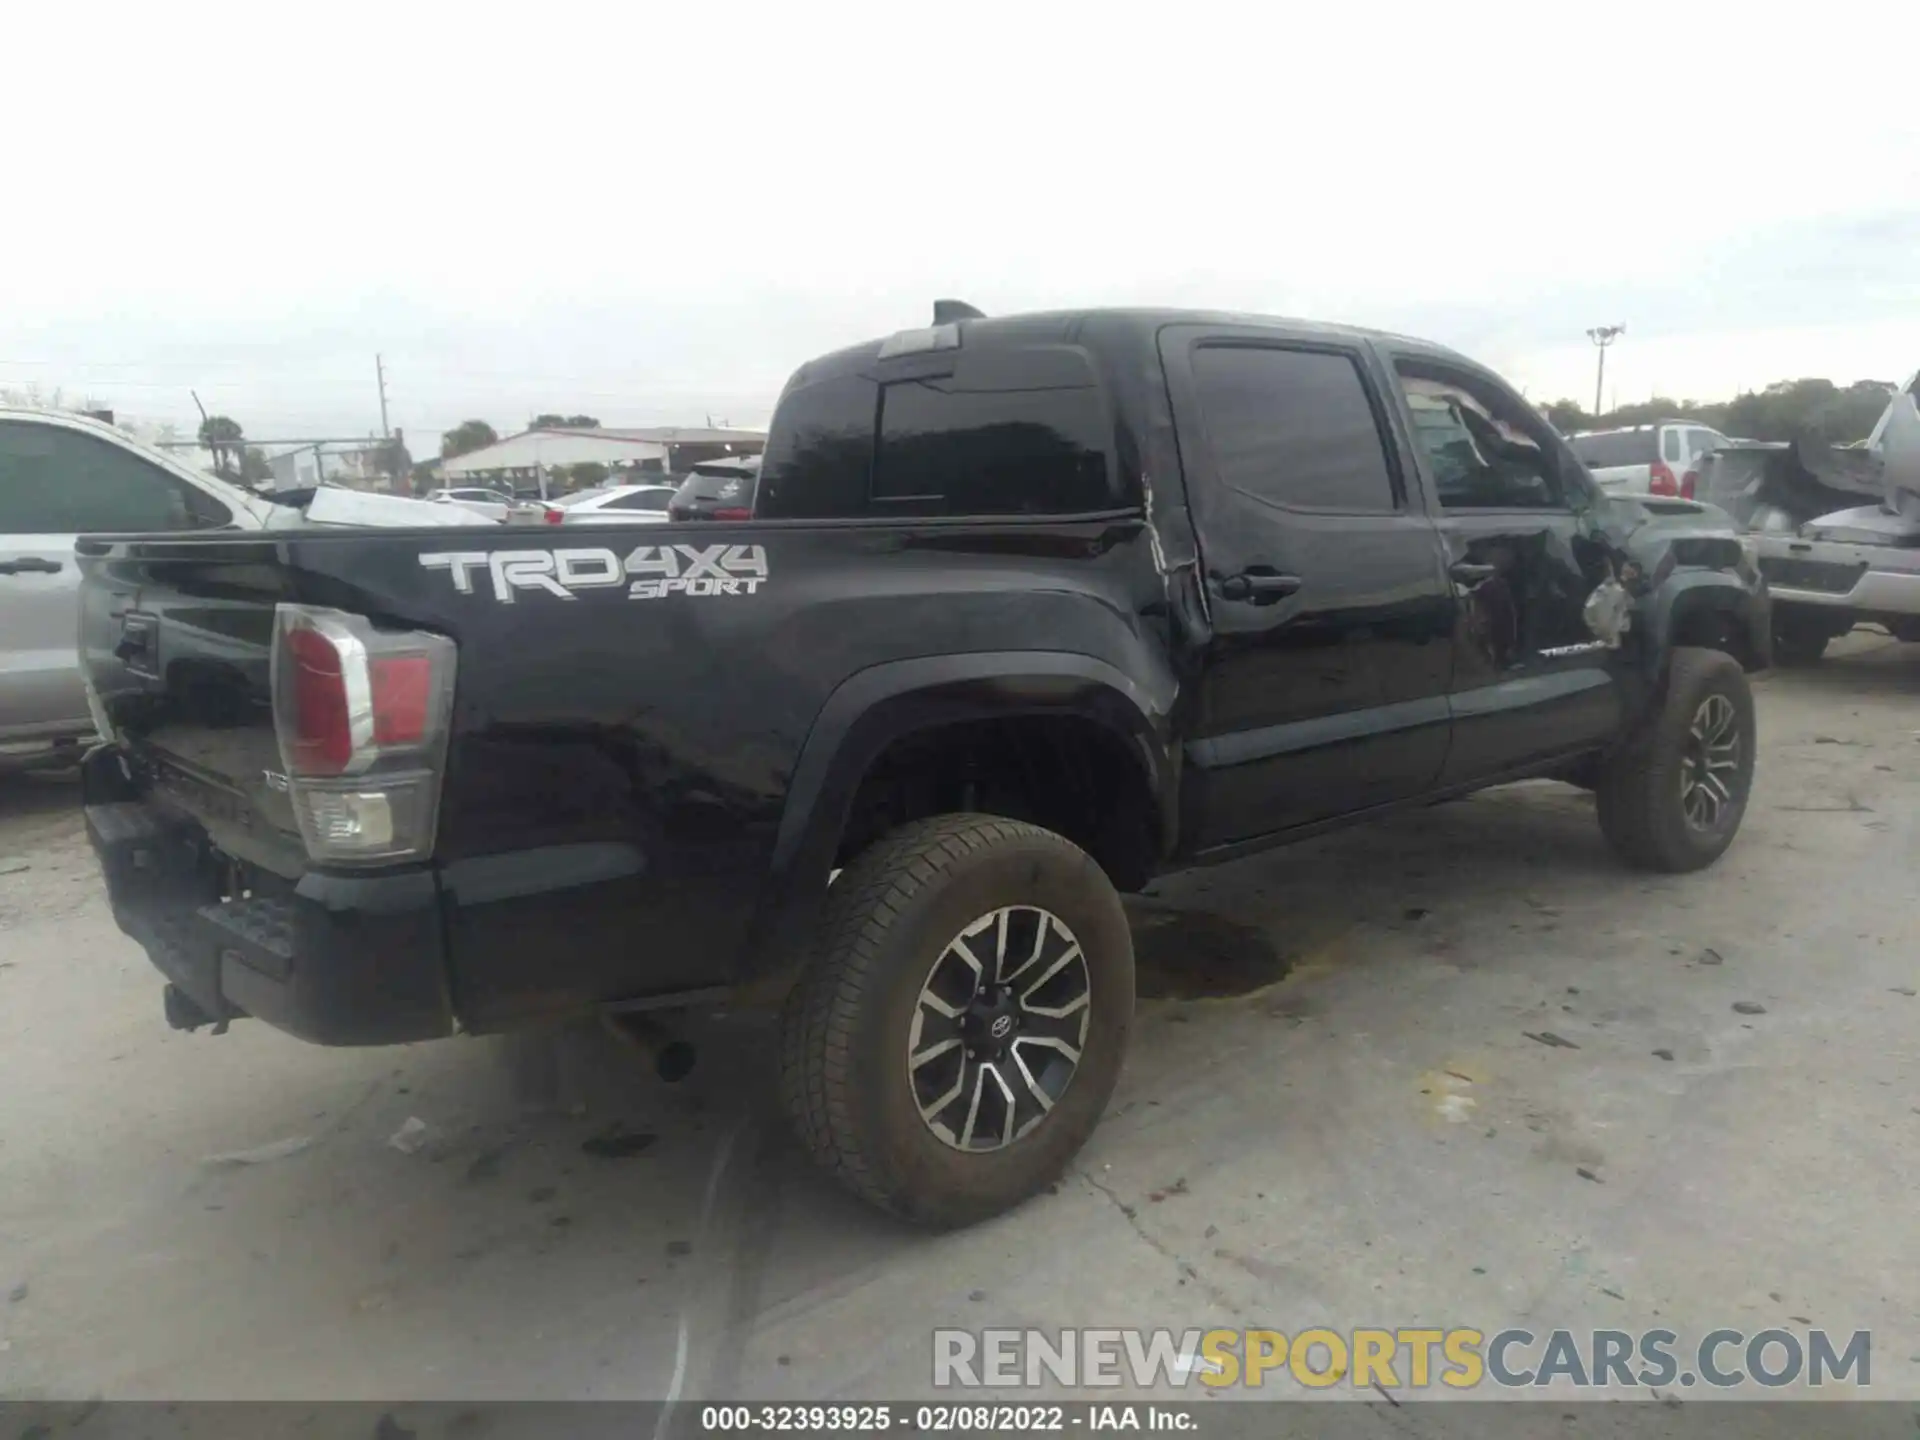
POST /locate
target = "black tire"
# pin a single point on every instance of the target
(1798, 639)
(1641, 798)
(889, 921)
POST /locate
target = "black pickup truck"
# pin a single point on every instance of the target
(1030, 609)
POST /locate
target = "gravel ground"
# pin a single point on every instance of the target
(1339, 1110)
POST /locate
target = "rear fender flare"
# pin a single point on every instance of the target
(877, 706)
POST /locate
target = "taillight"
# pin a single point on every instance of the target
(1687, 482)
(362, 716)
(733, 512)
(1660, 480)
(554, 515)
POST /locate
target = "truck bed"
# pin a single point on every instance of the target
(629, 717)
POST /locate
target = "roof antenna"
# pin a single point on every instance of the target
(947, 312)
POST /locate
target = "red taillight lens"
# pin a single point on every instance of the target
(733, 512)
(362, 714)
(320, 730)
(402, 698)
(1660, 480)
(554, 515)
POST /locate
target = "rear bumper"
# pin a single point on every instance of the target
(1869, 579)
(338, 960)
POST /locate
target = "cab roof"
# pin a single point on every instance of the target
(1096, 329)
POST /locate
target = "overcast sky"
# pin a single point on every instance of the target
(653, 213)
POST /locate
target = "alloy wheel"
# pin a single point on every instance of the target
(998, 1028)
(1710, 764)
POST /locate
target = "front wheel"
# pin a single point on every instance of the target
(1673, 797)
(962, 1018)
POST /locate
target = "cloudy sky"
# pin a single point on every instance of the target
(653, 212)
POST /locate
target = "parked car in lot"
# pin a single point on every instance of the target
(64, 475)
(1078, 599)
(717, 490)
(616, 504)
(1661, 459)
(494, 504)
(1835, 529)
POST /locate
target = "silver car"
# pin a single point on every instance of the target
(616, 504)
(63, 476)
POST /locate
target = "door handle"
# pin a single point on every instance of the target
(30, 565)
(1470, 572)
(1259, 587)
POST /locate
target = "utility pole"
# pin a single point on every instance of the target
(1602, 336)
(380, 373)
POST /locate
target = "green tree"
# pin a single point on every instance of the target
(466, 437)
(396, 461)
(549, 420)
(1814, 408)
(1567, 417)
(223, 436)
(254, 466)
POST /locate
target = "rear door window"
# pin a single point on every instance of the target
(1293, 428)
(55, 481)
(1670, 450)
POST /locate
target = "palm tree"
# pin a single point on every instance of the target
(224, 438)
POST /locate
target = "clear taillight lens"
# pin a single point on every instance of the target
(362, 716)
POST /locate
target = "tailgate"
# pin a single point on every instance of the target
(175, 645)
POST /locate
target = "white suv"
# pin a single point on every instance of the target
(1661, 459)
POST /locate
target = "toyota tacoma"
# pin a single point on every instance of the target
(1029, 610)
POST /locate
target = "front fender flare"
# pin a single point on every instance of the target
(1687, 593)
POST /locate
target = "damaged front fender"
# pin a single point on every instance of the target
(1688, 578)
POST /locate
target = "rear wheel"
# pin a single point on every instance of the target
(1673, 797)
(961, 1022)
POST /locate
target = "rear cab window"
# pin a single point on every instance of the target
(996, 430)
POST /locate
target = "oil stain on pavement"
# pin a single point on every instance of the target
(1198, 955)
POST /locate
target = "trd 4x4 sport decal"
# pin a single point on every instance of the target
(650, 572)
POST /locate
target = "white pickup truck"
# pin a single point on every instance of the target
(64, 475)
(1836, 530)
